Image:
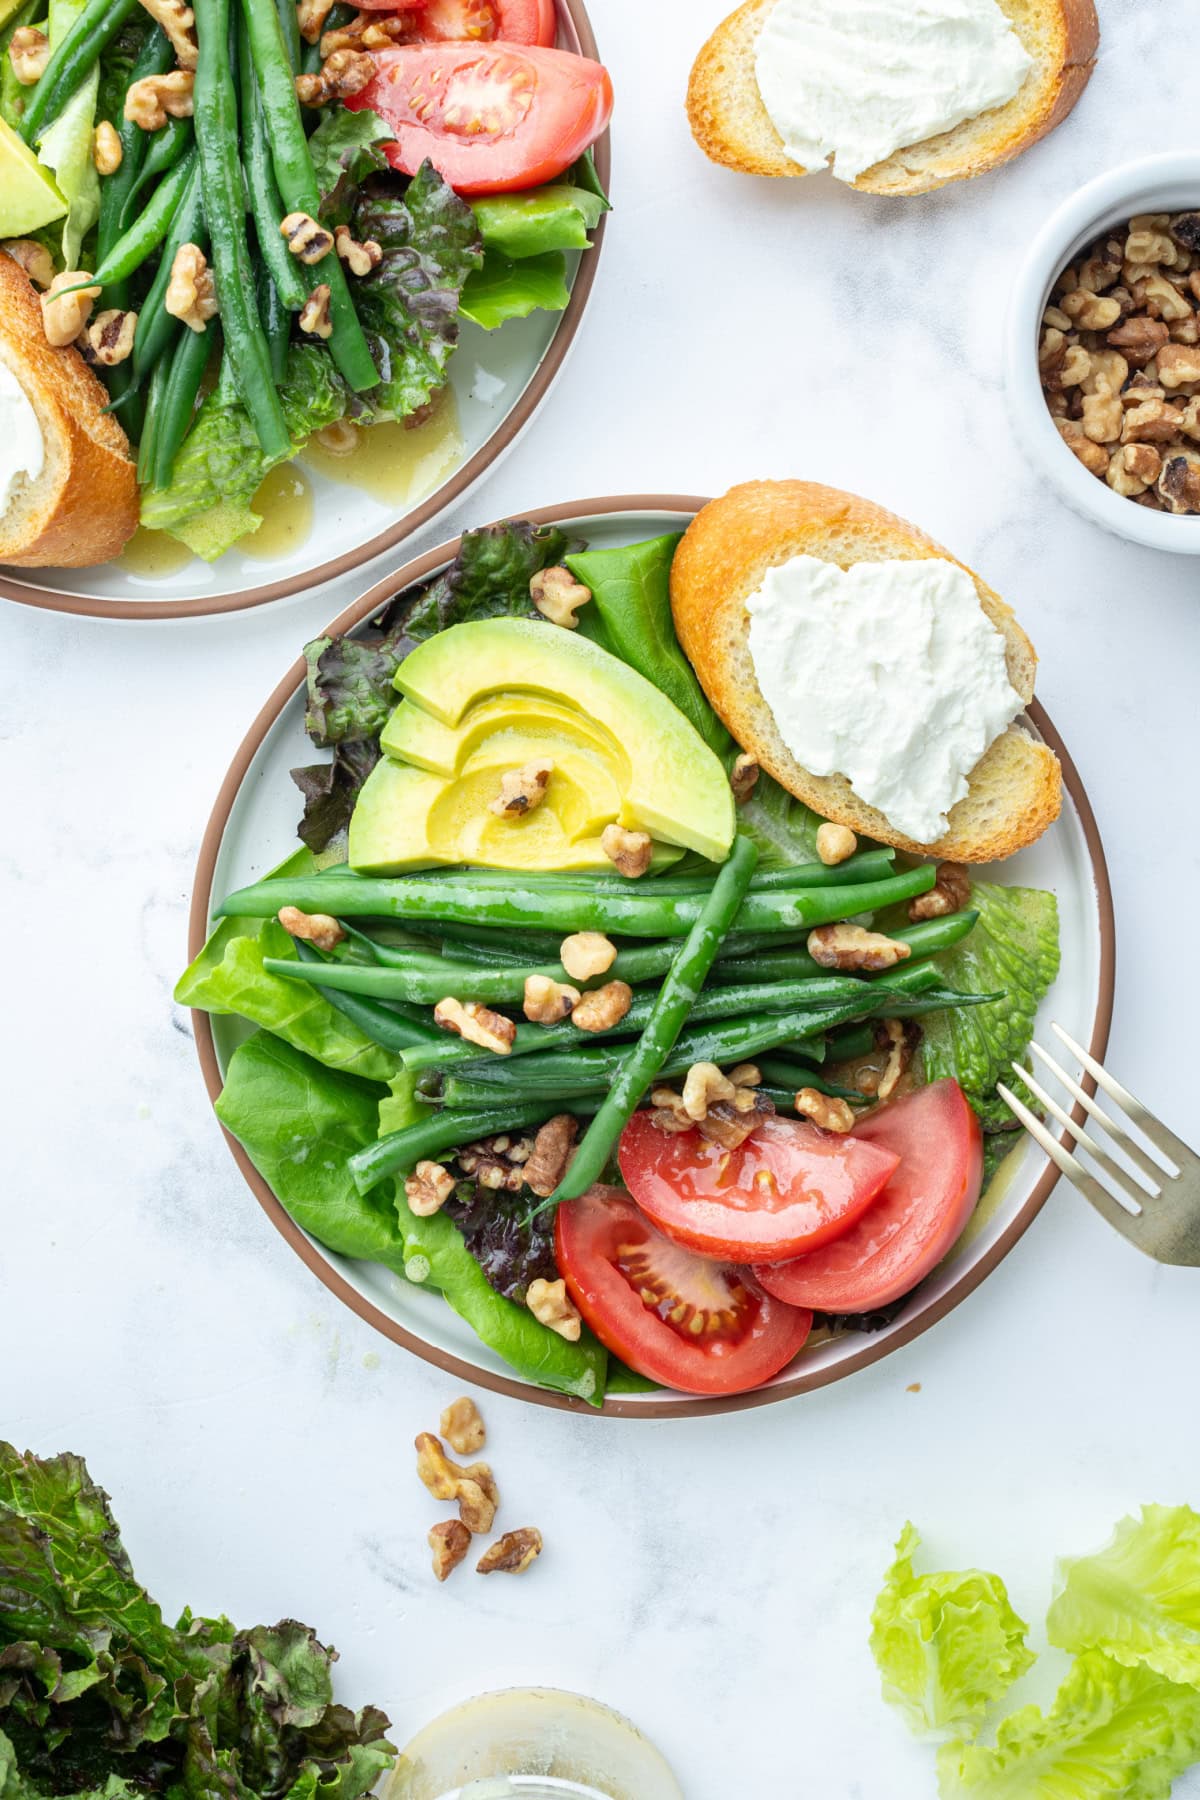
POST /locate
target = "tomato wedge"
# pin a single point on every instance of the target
(916, 1219)
(789, 1188)
(476, 21)
(490, 118)
(678, 1319)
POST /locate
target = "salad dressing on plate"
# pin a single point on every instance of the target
(285, 501)
(153, 553)
(395, 463)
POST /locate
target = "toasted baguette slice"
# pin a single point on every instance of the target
(732, 126)
(83, 507)
(1016, 786)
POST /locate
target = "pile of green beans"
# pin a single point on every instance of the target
(703, 955)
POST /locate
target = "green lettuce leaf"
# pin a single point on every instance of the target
(557, 217)
(222, 465)
(1138, 1599)
(408, 306)
(345, 150)
(65, 148)
(502, 289)
(947, 1645)
(1112, 1731)
(228, 977)
(1013, 947)
(298, 1122)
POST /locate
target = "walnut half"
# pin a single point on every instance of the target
(631, 852)
(949, 894)
(476, 1023)
(512, 1553)
(553, 1307)
(474, 1487)
(852, 947)
(825, 1110)
(462, 1426)
(558, 596)
(320, 929)
(449, 1542)
(552, 1149)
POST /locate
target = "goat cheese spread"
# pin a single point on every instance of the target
(853, 81)
(889, 673)
(22, 451)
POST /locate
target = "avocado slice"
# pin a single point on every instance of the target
(676, 790)
(413, 735)
(29, 198)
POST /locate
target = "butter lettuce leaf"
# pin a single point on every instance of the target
(1138, 1599)
(503, 289)
(1014, 946)
(556, 217)
(1112, 1731)
(947, 1645)
(65, 149)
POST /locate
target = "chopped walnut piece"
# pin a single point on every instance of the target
(315, 928)
(631, 852)
(367, 31)
(548, 1002)
(1178, 364)
(704, 1085)
(899, 1037)
(1108, 373)
(521, 790)
(1190, 423)
(949, 894)
(478, 1024)
(558, 596)
(1090, 312)
(670, 1114)
(179, 22)
(1138, 339)
(552, 1149)
(428, 1188)
(1143, 463)
(107, 153)
(603, 1007)
(28, 52)
(360, 259)
(462, 1426)
(835, 843)
(311, 16)
(1161, 299)
(825, 1110)
(33, 257)
(305, 238)
(341, 437)
(1122, 475)
(587, 953)
(552, 1306)
(449, 1542)
(1179, 482)
(473, 1487)
(1094, 457)
(512, 1553)
(314, 314)
(746, 1075)
(64, 315)
(743, 777)
(155, 98)
(191, 294)
(730, 1122)
(853, 947)
(1153, 422)
(110, 336)
(1103, 416)
(497, 1162)
(345, 73)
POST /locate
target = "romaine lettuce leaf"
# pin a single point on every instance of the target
(947, 1645)
(1138, 1599)
(502, 289)
(1112, 1731)
(1014, 946)
(408, 306)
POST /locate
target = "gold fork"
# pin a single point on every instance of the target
(1157, 1205)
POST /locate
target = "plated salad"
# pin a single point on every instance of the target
(261, 221)
(567, 1010)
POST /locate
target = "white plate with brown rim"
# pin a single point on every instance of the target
(252, 828)
(324, 516)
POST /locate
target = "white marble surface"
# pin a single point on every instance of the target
(712, 1578)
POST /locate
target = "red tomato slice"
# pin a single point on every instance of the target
(916, 1219)
(478, 21)
(490, 118)
(678, 1319)
(787, 1189)
(390, 6)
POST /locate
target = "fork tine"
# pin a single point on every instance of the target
(1118, 1177)
(1162, 1140)
(1088, 1186)
(1114, 1127)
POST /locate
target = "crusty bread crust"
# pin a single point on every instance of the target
(732, 126)
(1016, 787)
(83, 508)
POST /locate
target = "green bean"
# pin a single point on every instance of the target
(289, 24)
(156, 327)
(276, 321)
(784, 1098)
(187, 363)
(166, 147)
(297, 181)
(216, 120)
(628, 913)
(265, 204)
(400, 1151)
(787, 1072)
(155, 57)
(147, 232)
(154, 401)
(871, 865)
(715, 1003)
(379, 1023)
(924, 939)
(428, 980)
(73, 60)
(852, 1042)
(677, 997)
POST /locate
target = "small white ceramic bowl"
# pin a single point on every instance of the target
(1169, 183)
